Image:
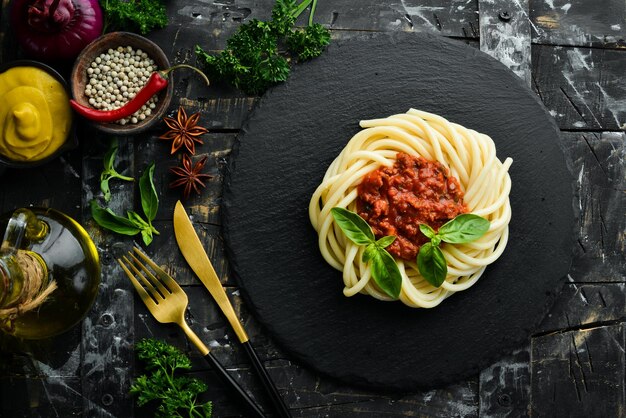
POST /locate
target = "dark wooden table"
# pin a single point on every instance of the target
(571, 53)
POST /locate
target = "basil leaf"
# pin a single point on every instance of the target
(427, 230)
(464, 228)
(432, 264)
(386, 241)
(109, 171)
(149, 197)
(137, 219)
(104, 186)
(146, 235)
(109, 220)
(355, 227)
(369, 253)
(109, 157)
(386, 273)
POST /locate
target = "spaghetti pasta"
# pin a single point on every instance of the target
(468, 155)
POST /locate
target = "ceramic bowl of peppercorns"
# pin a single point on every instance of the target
(120, 83)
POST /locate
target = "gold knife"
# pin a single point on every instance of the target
(197, 258)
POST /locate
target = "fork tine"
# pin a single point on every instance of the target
(147, 299)
(147, 285)
(155, 280)
(162, 274)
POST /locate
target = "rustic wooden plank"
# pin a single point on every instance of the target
(598, 168)
(586, 305)
(564, 22)
(579, 373)
(505, 34)
(108, 328)
(581, 86)
(40, 376)
(36, 186)
(505, 386)
(453, 18)
(317, 396)
(55, 396)
(211, 23)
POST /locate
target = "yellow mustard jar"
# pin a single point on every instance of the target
(35, 116)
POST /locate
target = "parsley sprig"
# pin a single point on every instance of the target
(253, 61)
(176, 394)
(431, 262)
(134, 15)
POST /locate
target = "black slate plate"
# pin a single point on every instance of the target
(295, 132)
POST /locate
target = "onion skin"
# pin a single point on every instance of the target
(55, 30)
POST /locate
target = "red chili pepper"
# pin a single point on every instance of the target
(157, 82)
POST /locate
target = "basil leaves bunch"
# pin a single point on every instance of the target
(460, 230)
(431, 262)
(384, 269)
(109, 171)
(133, 223)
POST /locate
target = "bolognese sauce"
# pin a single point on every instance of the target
(396, 200)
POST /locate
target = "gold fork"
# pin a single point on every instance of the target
(167, 302)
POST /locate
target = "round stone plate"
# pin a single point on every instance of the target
(300, 126)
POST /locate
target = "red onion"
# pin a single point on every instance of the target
(54, 30)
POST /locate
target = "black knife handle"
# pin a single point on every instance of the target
(234, 387)
(270, 388)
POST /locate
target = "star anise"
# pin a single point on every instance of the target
(189, 175)
(184, 131)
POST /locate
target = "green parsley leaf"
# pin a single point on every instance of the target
(177, 395)
(308, 43)
(140, 16)
(252, 61)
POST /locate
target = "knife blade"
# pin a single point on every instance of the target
(197, 258)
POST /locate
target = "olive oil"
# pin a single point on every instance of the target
(71, 260)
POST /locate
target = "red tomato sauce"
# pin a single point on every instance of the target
(395, 200)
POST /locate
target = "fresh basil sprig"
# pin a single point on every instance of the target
(109, 171)
(384, 269)
(460, 230)
(133, 224)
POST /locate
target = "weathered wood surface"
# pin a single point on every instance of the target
(571, 52)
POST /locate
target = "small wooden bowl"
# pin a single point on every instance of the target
(113, 40)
